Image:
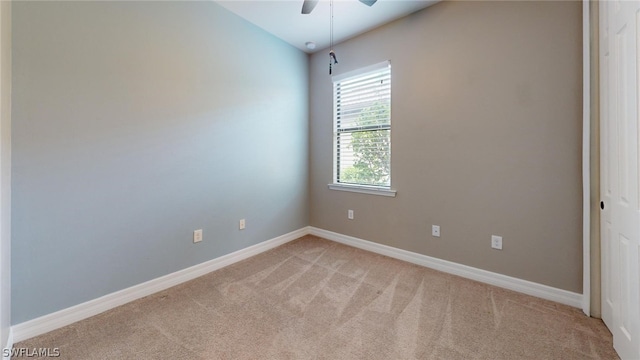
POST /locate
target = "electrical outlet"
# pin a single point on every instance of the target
(242, 224)
(350, 214)
(435, 230)
(197, 236)
(496, 242)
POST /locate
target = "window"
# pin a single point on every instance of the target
(362, 127)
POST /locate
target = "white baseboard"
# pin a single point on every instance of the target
(6, 355)
(487, 277)
(58, 319)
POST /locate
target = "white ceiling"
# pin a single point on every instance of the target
(283, 19)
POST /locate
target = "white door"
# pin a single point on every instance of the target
(620, 181)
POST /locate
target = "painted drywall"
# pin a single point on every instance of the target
(135, 123)
(5, 172)
(486, 138)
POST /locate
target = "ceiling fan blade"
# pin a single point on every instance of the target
(368, 2)
(308, 5)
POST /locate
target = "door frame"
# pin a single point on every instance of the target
(586, 159)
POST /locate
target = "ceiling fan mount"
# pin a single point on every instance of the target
(309, 5)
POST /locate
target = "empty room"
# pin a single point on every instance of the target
(335, 179)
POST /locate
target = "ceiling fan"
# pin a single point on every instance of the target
(308, 5)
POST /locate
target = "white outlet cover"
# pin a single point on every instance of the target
(496, 242)
(350, 214)
(242, 224)
(197, 236)
(435, 230)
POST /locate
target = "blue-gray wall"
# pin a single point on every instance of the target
(5, 172)
(135, 124)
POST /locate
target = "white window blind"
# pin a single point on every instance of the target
(362, 126)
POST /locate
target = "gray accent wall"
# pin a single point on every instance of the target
(135, 123)
(486, 138)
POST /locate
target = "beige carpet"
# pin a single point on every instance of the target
(316, 299)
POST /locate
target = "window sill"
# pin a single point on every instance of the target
(371, 190)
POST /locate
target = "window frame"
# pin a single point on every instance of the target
(383, 190)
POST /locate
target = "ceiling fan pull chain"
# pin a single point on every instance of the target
(332, 54)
